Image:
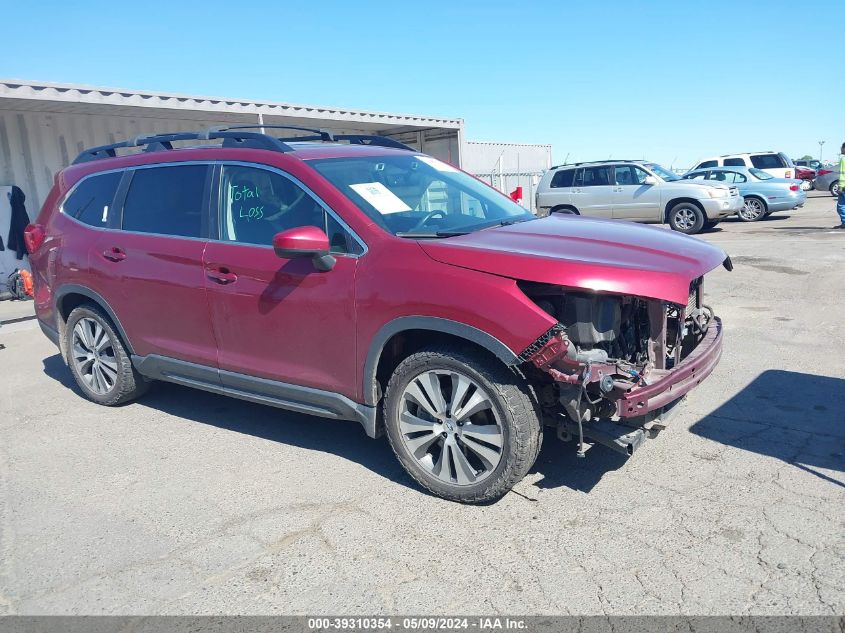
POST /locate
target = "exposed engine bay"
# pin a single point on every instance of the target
(602, 352)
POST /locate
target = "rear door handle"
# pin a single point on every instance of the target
(221, 275)
(114, 254)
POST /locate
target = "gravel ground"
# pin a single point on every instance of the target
(187, 502)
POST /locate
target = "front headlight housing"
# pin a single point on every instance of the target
(717, 192)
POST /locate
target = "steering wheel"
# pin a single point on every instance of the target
(428, 216)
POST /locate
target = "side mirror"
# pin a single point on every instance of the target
(305, 241)
(650, 180)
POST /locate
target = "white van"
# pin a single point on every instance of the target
(777, 164)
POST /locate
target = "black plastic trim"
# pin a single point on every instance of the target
(67, 289)
(49, 332)
(307, 400)
(435, 324)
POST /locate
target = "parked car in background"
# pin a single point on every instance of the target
(827, 179)
(763, 193)
(368, 282)
(777, 164)
(812, 164)
(638, 191)
(806, 175)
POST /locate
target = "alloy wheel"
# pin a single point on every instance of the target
(751, 210)
(449, 425)
(834, 188)
(806, 185)
(685, 219)
(93, 356)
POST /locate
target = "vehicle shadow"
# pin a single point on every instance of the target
(795, 417)
(342, 438)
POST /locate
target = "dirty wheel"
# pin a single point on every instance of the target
(754, 209)
(686, 217)
(98, 359)
(462, 425)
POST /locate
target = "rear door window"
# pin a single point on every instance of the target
(563, 178)
(596, 176)
(767, 161)
(706, 164)
(734, 162)
(92, 199)
(168, 200)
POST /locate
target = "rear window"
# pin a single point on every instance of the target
(593, 177)
(166, 201)
(92, 199)
(734, 162)
(563, 178)
(768, 161)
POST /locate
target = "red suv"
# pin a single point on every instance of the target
(354, 278)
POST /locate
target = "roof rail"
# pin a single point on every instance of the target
(356, 139)
(235, 136)
(600, 162)
(163, 142)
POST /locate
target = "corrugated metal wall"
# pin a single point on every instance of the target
(35, 145)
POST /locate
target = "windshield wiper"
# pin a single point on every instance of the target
(432, 234)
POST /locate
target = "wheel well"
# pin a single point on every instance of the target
(73, 298)
(765, 205)
(565, 207)
(402, 344)
(675, 201)
(69, 302)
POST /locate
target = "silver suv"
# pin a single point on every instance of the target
(638, 191)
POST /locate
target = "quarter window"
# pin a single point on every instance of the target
(706, 164)
(91, 201)
(767, 161)
(563, 178)
(167, 201)
(257, 203)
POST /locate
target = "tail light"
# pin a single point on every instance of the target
(823, 172)
(793, 187)
(33, 237)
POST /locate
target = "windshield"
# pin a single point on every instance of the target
(418, 196)
(664, 173)
(759, 174)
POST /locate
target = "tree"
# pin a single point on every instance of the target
(806, 157)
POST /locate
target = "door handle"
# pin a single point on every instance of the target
(221, 275)
(114, 254)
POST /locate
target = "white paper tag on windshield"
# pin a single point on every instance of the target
(382, 198)
(437, 164)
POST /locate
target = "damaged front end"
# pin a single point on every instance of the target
(613, 366)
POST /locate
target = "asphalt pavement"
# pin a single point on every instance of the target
(191, 503)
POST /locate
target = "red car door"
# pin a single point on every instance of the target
(150, 271)
(275, 318)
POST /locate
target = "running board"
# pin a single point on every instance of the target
(307, 400)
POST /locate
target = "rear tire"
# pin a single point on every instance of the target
(98, 358)
(687, 218)
(566, 210)
(753, 210)
(461, 424)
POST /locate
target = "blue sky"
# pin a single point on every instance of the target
(668, 81)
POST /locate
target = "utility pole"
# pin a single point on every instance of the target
(821, 144)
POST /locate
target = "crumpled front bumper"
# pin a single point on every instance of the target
(679, 380)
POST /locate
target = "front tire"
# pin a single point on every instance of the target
(98, 358)
(687, 218)
(806, 185)
(834, 188)
(461, 424)
(754, 209)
